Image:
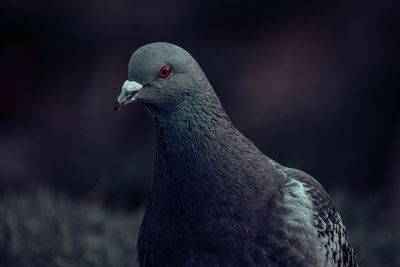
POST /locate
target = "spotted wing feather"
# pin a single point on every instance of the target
(331, 231)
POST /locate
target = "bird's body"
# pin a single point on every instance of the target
(217, 200)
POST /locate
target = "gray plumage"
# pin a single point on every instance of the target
(216, 200)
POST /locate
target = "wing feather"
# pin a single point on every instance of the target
(331, 231)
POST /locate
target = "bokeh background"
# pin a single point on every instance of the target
(315, 84)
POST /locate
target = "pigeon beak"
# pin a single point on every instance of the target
(128, 93)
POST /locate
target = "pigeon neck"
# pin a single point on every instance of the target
(203, 162)
(195, 126)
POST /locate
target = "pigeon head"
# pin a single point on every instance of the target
(161, 76)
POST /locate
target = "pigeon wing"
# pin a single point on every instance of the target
(331, 231)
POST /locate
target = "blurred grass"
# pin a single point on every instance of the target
(43, 229)
(375, 242)
(48, 229)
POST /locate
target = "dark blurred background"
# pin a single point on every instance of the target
(315, 84)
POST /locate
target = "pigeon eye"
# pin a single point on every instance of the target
(165, 71)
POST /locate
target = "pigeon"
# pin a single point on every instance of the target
(216, 199)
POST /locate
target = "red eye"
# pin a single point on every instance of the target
(165, 71)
